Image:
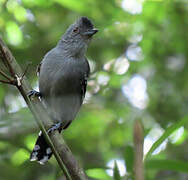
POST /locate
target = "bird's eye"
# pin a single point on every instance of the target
(75, 30)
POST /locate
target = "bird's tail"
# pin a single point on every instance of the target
(41, 151)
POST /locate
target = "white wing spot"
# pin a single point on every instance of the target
(34, 156)
(42, 161)
(40, 133)
(36, 148)
(48, 150)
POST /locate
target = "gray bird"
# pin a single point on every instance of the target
(63, 75)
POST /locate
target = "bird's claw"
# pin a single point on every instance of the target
(34, 93)
(55, 127)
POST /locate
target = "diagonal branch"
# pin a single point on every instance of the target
(61, 151)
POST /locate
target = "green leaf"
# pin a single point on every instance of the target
(30, 141)
(19, 157)
(97, 173)
(2, 94)
(14, 34)
(167, 165)
(20, 13)
(129, 158)
(115, 81)
(40, 3)
(116, 173)
(166, 134)
(74, 4)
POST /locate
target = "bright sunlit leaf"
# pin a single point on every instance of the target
(20, 14)
(2, 1)
(11, 5)
(19, 157)
(97, 173)
(29, 141)
(14, 34)
(166, 134)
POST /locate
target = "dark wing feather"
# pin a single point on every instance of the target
(38, 69)
(83, 82)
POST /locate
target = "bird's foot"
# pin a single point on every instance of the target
(55, 127)
(34, 93)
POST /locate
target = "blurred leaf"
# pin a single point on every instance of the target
(19, 157)
(115, 81)
(129, 158)
(74, 4)
(98, 174)
(2, 93)
(29, 141)
(14, 34)
(2, 1)
(116, 173)
(3, 145)
(172, 165)
(20, 14)
(22, 116)
(48, 177)
(42, 3)
(166, 134)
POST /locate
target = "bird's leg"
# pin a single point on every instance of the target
(34, 93)
(55, 127)
(67, 125)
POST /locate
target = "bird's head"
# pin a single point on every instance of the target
(79, 34)
(85, 28)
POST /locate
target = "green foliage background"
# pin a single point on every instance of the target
(158, 38)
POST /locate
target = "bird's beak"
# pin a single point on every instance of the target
(90, 32)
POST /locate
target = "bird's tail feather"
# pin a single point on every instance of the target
(41, 152)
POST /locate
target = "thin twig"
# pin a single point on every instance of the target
(5, 75)
(6, 82)
(138, 147)
(26, 69)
